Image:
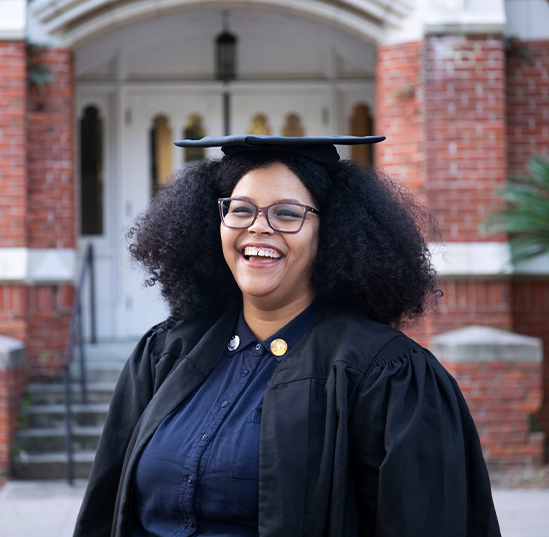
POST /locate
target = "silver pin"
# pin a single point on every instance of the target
(234, 342)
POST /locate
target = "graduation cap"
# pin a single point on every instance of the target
(319, 148)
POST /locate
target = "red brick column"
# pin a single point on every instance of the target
(400, 117)
(51, 212)
(527, 78)
(464, 131)
(12, 387)
(441, 104)
(399, 113)
(13, 177)
(13, 230)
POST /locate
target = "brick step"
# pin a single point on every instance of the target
(53, 416)
(41, 393)
(36, 441)
(51, 465)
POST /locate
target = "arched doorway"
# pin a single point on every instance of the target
(155, 75)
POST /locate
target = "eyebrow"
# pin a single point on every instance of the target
(285, 200)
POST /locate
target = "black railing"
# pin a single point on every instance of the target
(76, 338)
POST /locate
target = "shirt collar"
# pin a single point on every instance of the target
(291, 333)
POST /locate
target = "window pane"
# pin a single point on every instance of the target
(194, 130)
(362, 125)
(259, 125)
(292, 126)
(91, 172)
(161, 139)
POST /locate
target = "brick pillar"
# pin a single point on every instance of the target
(464, 132)
(51, 206)
(527, 79)
(400, 117)
(499, 374)
(12, 387)
(13, 235)
(441, 103)
(13, 178)
(399, 114)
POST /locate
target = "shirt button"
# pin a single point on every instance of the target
(204, 436)
(224, 403)
(245, 372)
(190, 479)
(258, 347)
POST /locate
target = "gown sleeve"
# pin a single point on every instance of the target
(132, 394)
(415, 453)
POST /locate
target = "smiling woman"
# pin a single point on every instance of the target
(272, 268)
(278, 398)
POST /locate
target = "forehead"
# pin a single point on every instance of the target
(270, 184)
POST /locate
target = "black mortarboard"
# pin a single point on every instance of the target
(319, 148)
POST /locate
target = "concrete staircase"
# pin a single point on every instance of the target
(39, 449)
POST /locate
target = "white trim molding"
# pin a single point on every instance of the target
(13, 19)
(75, 21)
(33, 266)
(483, 259)
(465, 17)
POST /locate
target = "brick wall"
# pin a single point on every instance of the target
(465, 303)
(48, 314)
(12, 388)
(464, 131)
(51, 213)
(527, 88)
(13, 228)
(13, 176)
(531, 318)
(501, 396)
(13, 311)
(50, 139)
(399, 113)
(527, 91)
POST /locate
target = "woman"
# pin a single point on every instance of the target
(278, 400)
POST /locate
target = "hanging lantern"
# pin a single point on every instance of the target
(225, 56)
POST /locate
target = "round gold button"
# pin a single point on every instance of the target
(278, 347)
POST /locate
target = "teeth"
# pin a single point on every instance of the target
(252, 250)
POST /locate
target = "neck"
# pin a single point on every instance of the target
(264, 322)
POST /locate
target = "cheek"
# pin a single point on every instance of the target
(227, 243)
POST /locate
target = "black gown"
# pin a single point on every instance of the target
(363, 432)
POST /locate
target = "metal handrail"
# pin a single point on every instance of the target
(75, 337)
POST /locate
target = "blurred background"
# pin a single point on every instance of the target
(92, 95)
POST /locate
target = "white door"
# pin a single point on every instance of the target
(141, 307)
(104, 236)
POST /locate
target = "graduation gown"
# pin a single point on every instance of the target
(363, 433)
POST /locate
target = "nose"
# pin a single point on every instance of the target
(261, 225)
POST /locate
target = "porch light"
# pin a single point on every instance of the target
(225, 53)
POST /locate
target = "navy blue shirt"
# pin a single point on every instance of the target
(198, 475)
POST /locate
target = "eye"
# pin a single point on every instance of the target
(287, 212)
(240, 208)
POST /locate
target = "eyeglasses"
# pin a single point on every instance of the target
(285, 217)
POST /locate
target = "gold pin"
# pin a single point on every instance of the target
(279, 347)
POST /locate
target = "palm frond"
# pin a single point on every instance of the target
(526, 216)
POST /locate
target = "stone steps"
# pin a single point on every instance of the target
(51, 465)
(38, 440)
(51, 394)
(39, 450)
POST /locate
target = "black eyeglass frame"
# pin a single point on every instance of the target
(265, 211)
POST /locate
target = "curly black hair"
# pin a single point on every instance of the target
(372, 255)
